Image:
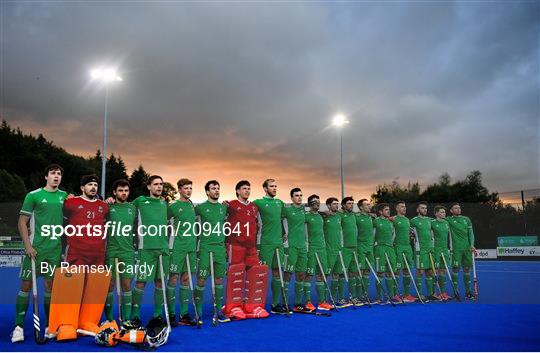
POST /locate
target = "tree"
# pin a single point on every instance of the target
(11, 187)
(138, 180)
(169, 191)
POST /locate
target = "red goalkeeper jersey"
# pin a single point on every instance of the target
(243, 222)
(82, 212)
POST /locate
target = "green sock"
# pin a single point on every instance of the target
(429, 284)
(276, 287)
(442, 282)
(341, 288)
(419, 284)
(136, 303)
(320, 291)
(219, 296)
(298, 292)
(158, 301)
(109, 306)
(365, 282)
(307, 291)
(171, 300)
(389, 286)
(199, 296)
(286, 285)
(379, 288)
(467, 281)
(21, 305)
(334, 288)
(47, 304)
(455, 279)
(185, 296)
(353, 287)
(126, 305)
(406, 285)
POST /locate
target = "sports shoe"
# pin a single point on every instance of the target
(132, 324)
(325, 306)
(396, 299)
(356, 302)
(434, 298)
(236, 314)
(410, 298)
(309, 306)
(186, 320)
(17, 335)
(376, 302)
(49, 335)
(222, 318)
(299, 308)
(446, 296)
(172, 320)
(424, 299)
(278, 309)
(470, 296)
(342, 303)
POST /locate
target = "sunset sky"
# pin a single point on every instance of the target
(234, 90)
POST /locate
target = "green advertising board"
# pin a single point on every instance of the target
(518, 240)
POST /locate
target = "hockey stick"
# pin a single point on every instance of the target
(379, 282)
(413, 281)
(188, 267)
(285, 301)
(394, 278)
(435, 274)
(162, 273)
(37, 325)
(215, 320)
(118, 289)
(454, 288)
(365, 290)
(475, 280)
(346, 278)
(325, 281)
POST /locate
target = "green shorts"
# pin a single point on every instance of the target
(333, 264)
(423, 261)
(219, 256)
(267, 254)
(462, 258)
(437, 257)
(295, 259)
(148, 266)
(179, 261)
(365, 254)
(126, 262)
(348, 261)
(381, 251)
(408, 252)
(49, 258)
(312, 265)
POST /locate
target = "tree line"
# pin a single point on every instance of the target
(23, 157)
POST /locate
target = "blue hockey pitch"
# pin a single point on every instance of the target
(506, 318)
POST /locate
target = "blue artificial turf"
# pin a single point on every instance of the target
(506, 318)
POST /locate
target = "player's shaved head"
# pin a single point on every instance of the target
(270, 187)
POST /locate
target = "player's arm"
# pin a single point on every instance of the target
(24, 218)
(285, 227)
(470, 233)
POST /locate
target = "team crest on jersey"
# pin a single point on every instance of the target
(130, 211)
(100, 209)
(248, 212)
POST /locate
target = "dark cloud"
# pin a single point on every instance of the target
(428, 87)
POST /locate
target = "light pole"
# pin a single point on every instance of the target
(105, 76)
(338, 121)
